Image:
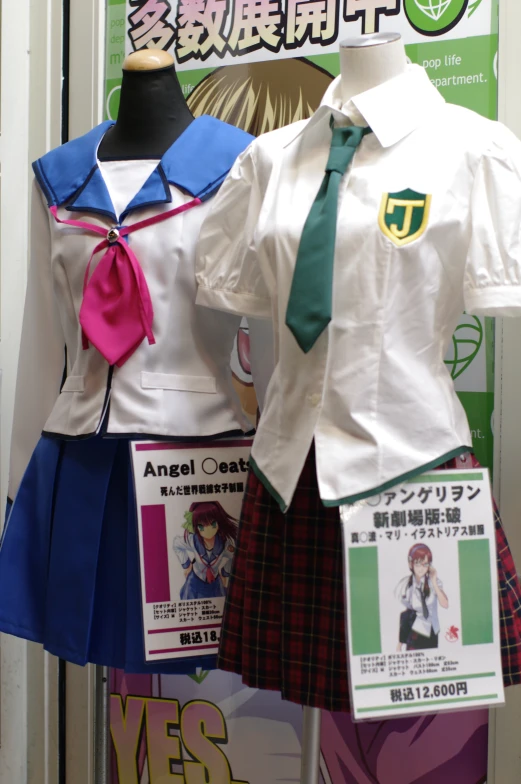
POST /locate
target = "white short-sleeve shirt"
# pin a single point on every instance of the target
(429, 225)
(411, 598)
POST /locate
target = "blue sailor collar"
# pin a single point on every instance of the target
(197, 163)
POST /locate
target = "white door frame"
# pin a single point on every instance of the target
(86, 84)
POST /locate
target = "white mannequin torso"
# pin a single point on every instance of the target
(368, 61)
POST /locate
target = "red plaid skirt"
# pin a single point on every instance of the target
(284, 625)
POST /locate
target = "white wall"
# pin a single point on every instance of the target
(30, 111)
(13, 247)
(31, 84)
(505, 745)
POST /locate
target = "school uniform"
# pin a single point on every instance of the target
(113, 348)
(424, 602)
(208, 566)
(427, 225)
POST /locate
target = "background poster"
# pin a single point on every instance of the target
(261, 64)
(210, 728)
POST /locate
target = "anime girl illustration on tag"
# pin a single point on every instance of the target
(205, 550)
(420, 593)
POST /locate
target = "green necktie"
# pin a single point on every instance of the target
(310, 299)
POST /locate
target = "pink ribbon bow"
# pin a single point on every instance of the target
(116, 313)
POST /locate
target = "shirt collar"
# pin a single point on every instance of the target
(392, 110)
(197, 163)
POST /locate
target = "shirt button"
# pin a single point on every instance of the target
(315, 399)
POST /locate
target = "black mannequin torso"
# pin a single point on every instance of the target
(152, 115)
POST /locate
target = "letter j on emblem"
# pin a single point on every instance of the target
(404, 215)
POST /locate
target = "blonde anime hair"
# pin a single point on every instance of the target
(260, 97)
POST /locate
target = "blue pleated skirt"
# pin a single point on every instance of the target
(69, 563)
(195, 588)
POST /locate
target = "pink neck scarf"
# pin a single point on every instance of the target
(116, 313)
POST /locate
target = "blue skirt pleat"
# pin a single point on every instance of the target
(106, 625)
(24, 553)
(69, 563)
(79, 512)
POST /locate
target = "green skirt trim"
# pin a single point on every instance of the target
(267, 484)
(352, 499)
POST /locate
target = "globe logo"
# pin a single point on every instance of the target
(466, 343)
(434, 9)
(435, 17)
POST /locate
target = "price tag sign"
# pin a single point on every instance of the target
(188, 499)
(422, 597)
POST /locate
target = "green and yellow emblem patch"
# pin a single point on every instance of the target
(404, 216)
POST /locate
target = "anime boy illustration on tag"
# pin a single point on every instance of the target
(205, 550)
(420, 593)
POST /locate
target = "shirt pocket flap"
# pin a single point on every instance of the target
(178, 383)
(74, 384)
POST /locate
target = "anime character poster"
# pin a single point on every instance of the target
(210, 728)
(421, 594)
(421, 597)
(188, 499)
(455, 40)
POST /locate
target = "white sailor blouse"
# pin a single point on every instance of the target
(429, 224)
(111, 288)
(207, 565)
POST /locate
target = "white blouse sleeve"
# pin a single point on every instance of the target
(42, 350)
(492, 284)
(227, 269)
(184, 551)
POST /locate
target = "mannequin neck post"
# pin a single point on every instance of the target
(369, 61)
(152, 114)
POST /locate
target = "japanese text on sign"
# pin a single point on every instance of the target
(421, 596)
(220, 27)
(187, 544)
